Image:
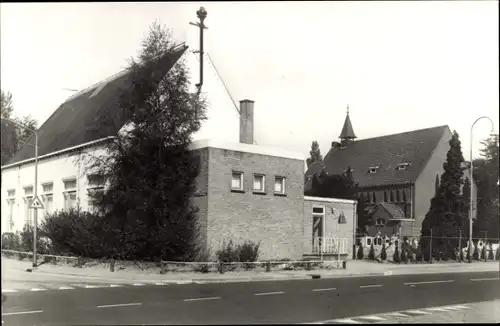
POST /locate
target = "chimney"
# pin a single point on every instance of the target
(246, 121)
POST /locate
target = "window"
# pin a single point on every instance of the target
(48, 197)
(28, 200)
(95, 188)
(259, 183)
(377, 241)
(385, 196)
(374, 199)
(279, 185)
(373, 169)
(391, 198)
(342, 219)
(318, 210)
(402, 166)
(398, 197)
(11, 200)
(380, 222)
(70, 194)
(368, 241)
(237, 181)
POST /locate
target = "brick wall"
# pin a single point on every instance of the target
(275, 221)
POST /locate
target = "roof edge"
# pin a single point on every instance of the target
(62, 151)
(331, 200)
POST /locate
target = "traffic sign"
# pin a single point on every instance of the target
(37, 203)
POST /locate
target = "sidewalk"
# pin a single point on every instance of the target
(355, 268)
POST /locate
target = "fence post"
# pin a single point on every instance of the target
(112, 265)
(430, 249)
(268, 266)
(221, 267)
(484, 246)
(460, 246)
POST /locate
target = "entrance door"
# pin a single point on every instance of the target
(317, 232)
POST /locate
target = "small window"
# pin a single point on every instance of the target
(11, 193)
(402, 166)
(373, 169)
(404, 196)
(279, 185)
(398, 197)
(28, 191)
(368, 241)
(237, 181)
(70, 184)
(259, 183)
(318, 210)
(374, 199)
(380, 222)
(391, 198)
(95, 181)
(342, 219)
(385, 196)
(48, 188)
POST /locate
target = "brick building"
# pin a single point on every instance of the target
(244, 191)
(397, 174)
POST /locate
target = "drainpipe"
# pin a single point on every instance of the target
(354, 223)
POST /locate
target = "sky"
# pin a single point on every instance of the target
(399, 65)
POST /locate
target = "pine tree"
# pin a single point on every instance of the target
(315, 154)
(445, 215)
(383, 254)
(371, 253)
(151, 172)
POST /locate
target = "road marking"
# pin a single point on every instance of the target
(93, 286)
(485, 279)
(8, 291)
(429, 282)
(344, 321)
(161, 283)
(115, 285)
(120, 305)
(66, 288)
(370, 286)
(21, 312)
(139, 284)
(200, 299)
(374, 318)
(269, 293)
(398, 314)
(417, 312)
(327, 289)
(37, 289)
(437, 309)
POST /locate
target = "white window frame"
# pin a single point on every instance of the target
(283, 185)
(373, 169)
(11, 202)
(99, 187)
(402, 166)
(45, 195)
(28, 196)
(68, 191)
(263, 190)
(240, 174)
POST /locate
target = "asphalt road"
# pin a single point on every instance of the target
(297, 301)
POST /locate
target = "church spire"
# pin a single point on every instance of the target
(347, 133)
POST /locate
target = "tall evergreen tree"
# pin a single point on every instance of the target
(486, 176)
(445, 215)
(315, 154)
(466, 208)
(150, 170)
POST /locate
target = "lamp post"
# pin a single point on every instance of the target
(471, 177)
(35, 192)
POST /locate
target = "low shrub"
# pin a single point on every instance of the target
(383, 254)
(228, 253)
(245, 253)
(475, 254)
(396, 256)
(248, 252)
(75, 232)
(361, 253)
(11, 241)
(202, 268)
(371, 253)
(491, 256)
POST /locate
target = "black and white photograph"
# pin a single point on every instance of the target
(250, 162)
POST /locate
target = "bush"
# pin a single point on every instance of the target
(383, 254)
(371, 253)
(490, 253)
(11, 241)
(76, 233)
(361, 253)
(475, 254)
(404, 256)
(246, 252)
(397, 256)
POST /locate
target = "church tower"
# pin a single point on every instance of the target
(347, 135)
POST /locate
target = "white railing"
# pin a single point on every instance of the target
(329, 245)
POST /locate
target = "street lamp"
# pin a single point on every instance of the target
(472, 181)
(35, 194)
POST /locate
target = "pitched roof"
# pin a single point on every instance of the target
(385, 153)
(394, 211)
(89, 115)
